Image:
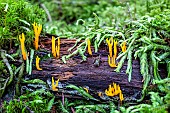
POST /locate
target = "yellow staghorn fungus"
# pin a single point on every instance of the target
(58, 48)
(111, 61)
(121, 96)
(99, 94)
(86, 89)
(110, 91)
(37, 30)
(115, 49)
(117, 89)
(37, 63)
(89, 48)
(110, 44)
(22, 41)
(114, 90)
(123, 47)
(55, 49)
(54, 86)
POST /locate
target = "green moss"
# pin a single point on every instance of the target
(1, 66)
(17, 17)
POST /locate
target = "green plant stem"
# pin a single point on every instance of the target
(5, 60)
(19, 79)
(31, 59)
(164, 55)
(155, 65)
(168, 68)
(129, 66)
(145, 73)
(120, 64)
(27, 65)
(64, 110)
(130, 45)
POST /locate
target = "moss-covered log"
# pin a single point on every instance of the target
(96, 76)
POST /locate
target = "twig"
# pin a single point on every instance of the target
(73, 111)
(47, 12)
(63, 98)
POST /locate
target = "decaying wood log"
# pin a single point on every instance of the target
(87, 73)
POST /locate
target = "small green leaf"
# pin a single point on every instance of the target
(50, 104)
(34, 81)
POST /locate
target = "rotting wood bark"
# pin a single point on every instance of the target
(87, 73)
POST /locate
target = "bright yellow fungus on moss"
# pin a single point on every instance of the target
(22, 41)
(123, 46)
(37, 63)
(37, 30)
(110, 44)
(89, 48)
(114, 90)
(55, 49)
(54, 85)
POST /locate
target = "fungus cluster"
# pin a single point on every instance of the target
(55, 50)
(37, 30)
(112, 58)
(114, 90)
